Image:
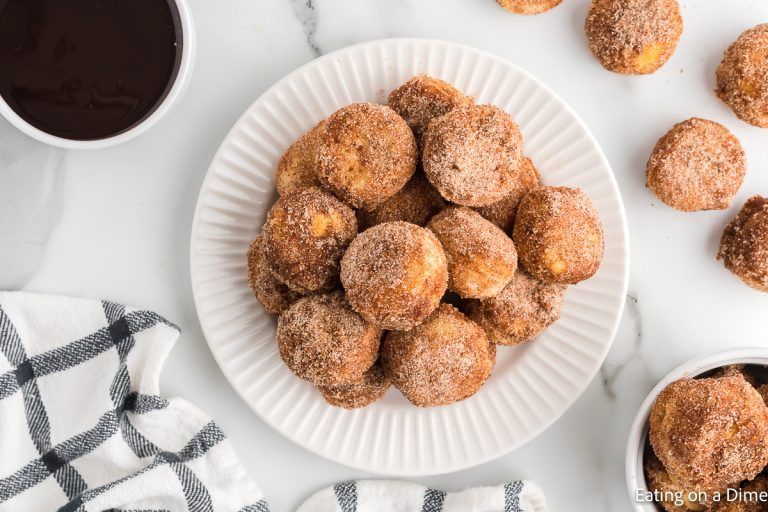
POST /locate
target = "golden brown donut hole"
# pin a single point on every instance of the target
(558, 235)
(744, 244)
(306, 234)
(366, 154)
(481, 258)
(528, 6)
(394, 274)
(633, 36)
(741, 76)
(297, 167)
(697, 165)
(323, 341)
(472, 155)
(422, 99)
(444, 360)
(710, 433)
(523, 309)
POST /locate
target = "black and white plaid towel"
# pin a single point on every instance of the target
(83, 426)
(395, 496)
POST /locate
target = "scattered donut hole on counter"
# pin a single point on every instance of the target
(697, 165)
(408, 240)
(633, 37)
(707, 448)
(744, 245)
(741, 76)
(528, 6)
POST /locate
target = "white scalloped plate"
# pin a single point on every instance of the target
(532, 385)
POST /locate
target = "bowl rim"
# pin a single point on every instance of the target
(638, 433)
(179, 87)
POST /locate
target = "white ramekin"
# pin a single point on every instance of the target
(639, 430)
(178, 89)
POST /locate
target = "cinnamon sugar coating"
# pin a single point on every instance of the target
(442, 361)
(710, 433)
(306, 234)
(481, 258)
(297, 167)
(558, 235)
(502, 213)
(416, 203)
(273, 295)
(323, 341)
(744, 245)
(394, 274)
(742, 77)
(528, 6)
(422, 99)
(697, 165)
(366, 154)
(523, 309)
(633, 36)
(373, 387)
(658, 480)
(472, 155)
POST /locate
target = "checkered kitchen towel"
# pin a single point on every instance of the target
(82, 424)
(395, 496)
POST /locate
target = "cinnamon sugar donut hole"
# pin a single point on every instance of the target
(502, 213)
(324, 342)
(744, 245)
(481, 257)
(697, 165)
(472, 155)
(306, 234)
(373, 387)
(444, 360)
(528, 6)
(394, 274)
(297, 167)
(416, 203)
(523, 309)
(366, 154)
(633, 37)
(710, 433)
(742, 77)
(422, 99)
(273, 295)
(558, 235)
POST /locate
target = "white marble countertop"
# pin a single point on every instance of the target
(115, 223)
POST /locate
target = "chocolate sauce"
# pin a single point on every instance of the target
(87, 69)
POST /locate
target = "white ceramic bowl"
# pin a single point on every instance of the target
(178, 89)
(639, 431)
(533, 384)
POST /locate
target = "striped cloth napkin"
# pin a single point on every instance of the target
(83, 427)
(397, 496)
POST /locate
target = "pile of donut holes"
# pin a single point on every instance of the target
(408, 241)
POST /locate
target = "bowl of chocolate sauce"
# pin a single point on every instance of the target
(92, 73)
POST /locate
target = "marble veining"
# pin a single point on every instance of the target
(31, 201)
(306, 12)
(613, 367)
